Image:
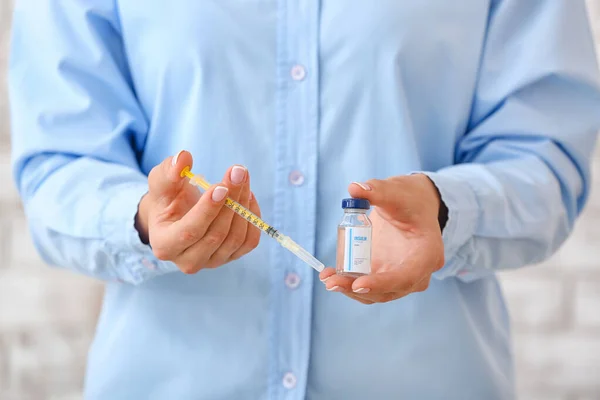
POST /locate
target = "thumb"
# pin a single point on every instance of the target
(410, 198)
(378, 192)
(165, 180)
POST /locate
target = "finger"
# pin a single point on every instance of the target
(375, 190)
(397, 280)
(341, 286)
(252, 233)
(216, 232)
(380, 298)
(397, 196)
(365, 293)
(223, 220)
(165, 180)
(193, 226)
(388, 194)
(339, 283)
(345, 287)
(359, 299)
(238, 226)
(326, 274)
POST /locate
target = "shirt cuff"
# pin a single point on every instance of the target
(123, 243)
(463, 212)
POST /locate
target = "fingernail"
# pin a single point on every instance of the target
(364, 186)
(325, 280)
(362, 290)
(174, 159)
(238, 173)
(219, 193)
(251, 196)
(334, 289)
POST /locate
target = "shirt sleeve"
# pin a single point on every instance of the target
(521, 175)
(77, 134)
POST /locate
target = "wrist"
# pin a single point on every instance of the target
(441, 209)
(141, 219)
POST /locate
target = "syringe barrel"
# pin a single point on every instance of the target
(236, 207)
(250, 217)
(255, 220)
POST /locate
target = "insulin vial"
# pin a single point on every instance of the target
(354, 239)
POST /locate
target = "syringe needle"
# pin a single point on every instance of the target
(301, 253)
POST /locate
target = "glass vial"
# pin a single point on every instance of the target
(354, 239)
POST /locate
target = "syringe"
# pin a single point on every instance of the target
(255, 220)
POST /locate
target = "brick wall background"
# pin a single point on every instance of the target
(47, 316)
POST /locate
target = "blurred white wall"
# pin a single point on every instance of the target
(47, 316)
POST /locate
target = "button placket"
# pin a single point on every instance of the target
(296, 148)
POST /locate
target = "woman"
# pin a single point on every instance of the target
(468, 127)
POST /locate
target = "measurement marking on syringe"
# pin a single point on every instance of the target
(255, 220)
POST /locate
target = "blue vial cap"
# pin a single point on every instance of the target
(362, 204)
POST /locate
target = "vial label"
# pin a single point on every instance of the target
(357, 250)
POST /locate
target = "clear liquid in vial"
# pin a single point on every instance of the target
(343, 259)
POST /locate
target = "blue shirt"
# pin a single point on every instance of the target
(497, 101)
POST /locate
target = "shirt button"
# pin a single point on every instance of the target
(296, 178)
(298, 72)
(292, 280)
(289, 381)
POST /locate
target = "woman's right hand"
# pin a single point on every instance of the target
(191, 229)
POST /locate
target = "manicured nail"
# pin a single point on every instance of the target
(238, 173)
(219, 193)
(325, 280)
(364, 186)
(174, 159)
(334, 289)
(362, 290)
(251, 196)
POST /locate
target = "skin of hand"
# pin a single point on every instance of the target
(195, 230)
(407, 246)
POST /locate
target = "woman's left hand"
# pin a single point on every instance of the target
(407, 241)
